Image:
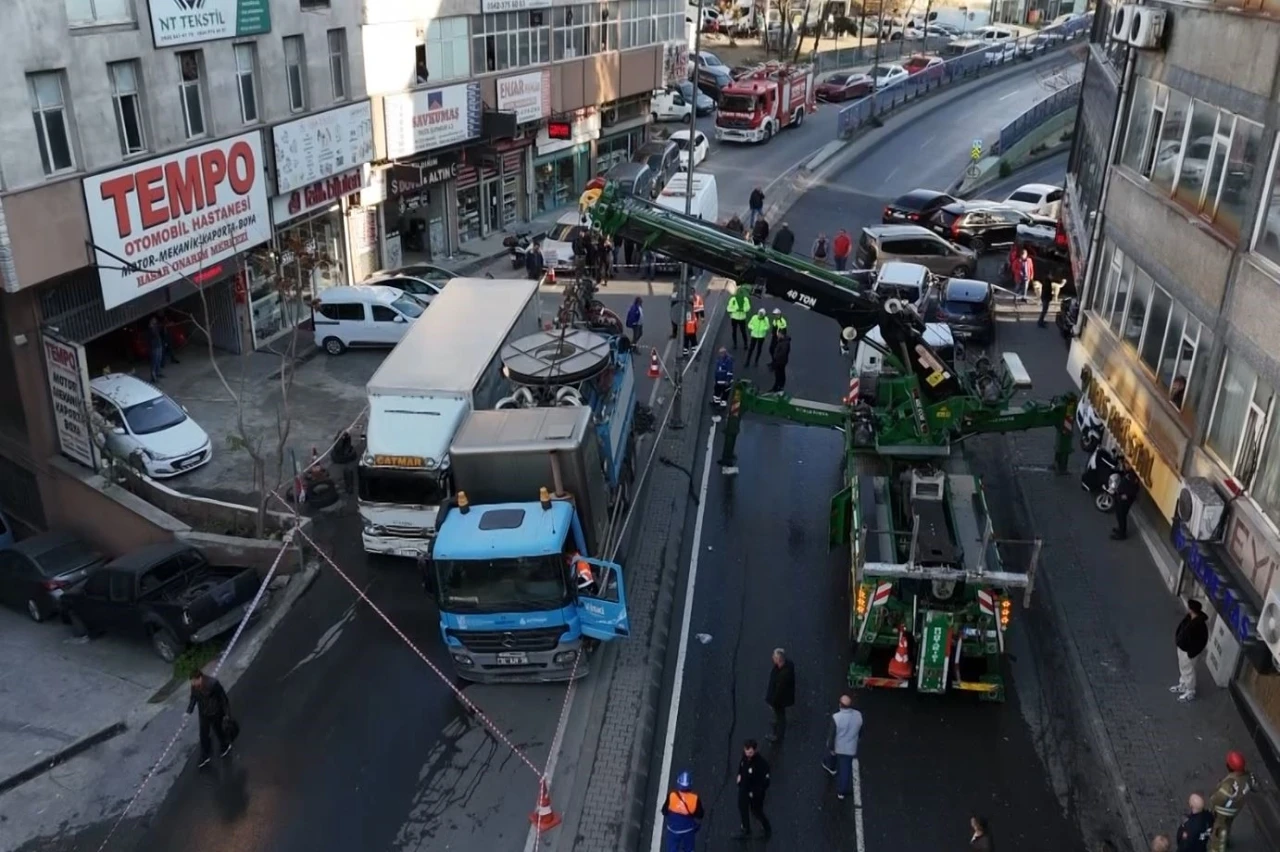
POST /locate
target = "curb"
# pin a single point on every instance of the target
(61, 756)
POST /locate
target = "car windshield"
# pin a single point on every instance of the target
(1026, 197)
(738, 103)
(682, 142)
(502, 585)
(957, 307)
(428, 273)
(154, 415)
(408, 306)
(838, 79)
(400, 487)
(882, 71)
(69, 556)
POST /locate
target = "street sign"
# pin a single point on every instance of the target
(975, 153)
(973, 171)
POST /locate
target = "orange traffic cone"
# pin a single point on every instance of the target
(544, 818)
(655, 369)
(900, 665)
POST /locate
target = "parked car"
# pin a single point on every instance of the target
(845, 86)
(142, 424)
(880, 244)
(662, 157)
(421, 280)
(979, 225)
(909, 282)
(915, 207)
(888, 76)
(701, 147)
(1034, 197)
(1000, 52)
(925, 67)
(167, 593)
(677, 103)
(365, 315)
(35, 572)
(1039, 43)
(968, 307)
(712, 79)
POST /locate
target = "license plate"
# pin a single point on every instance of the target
(512, 658)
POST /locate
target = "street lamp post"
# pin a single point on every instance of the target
(685, 298)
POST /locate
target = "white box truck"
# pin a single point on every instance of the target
(448, 364)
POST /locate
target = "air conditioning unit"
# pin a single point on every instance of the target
(1120, 17)
(1200, 508)
(609, 117)
(1269, 624)
(1146, 27)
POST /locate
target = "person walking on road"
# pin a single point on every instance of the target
(1228, 798)
(1193, 833)
(684, 813)
(842, 745)
(820, 249)
(1191, 638)
(784, 240)
(739, 309)
(215, 714)
(1126, 495)
(635, 320)
(735, 225)
(841, 247)
(534, 263)
(758, 328)
(1046, 299)
(781, 693)
(981, 839)
(755, 205)
(691, 325)
(753, 783)
(781, 357)
(677, 312)
(1024, 272)
(760, 231)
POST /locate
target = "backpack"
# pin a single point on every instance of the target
(820, 249)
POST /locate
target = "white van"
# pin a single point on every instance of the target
(868, 361)
(365, 315)
(706, 198)
(995, 34)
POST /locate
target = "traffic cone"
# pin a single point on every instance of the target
(900, 665)
(544, 818)
(655, 369)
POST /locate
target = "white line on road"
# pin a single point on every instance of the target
(889, 176)
(859, 837)
(673, 717)
(1010, 95)
(926, 143)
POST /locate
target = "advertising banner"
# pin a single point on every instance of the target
(69, 389)
(491, 6)
(173, 215)
(431, 118)
(175, 22)
(313, 148)
(527, 95)
(318, 196)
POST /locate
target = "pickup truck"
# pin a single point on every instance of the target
(166, 593)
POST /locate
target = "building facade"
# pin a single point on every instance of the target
(1174, 220)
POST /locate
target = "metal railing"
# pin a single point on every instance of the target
(860, 113)
(1056, 104)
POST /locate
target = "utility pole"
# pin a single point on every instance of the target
(685, 293)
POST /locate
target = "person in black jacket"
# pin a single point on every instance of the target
(784, 241)
(781, 355)
(755, 204)
(534, 265)
(1126, 496)
(1191, 638)
(1197, 825)
(760, 231)
(753, 783)
(781, 693)
(215, 709)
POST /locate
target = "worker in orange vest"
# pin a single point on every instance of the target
(684, 813)
(585, 576)
(699, 307)
(691, 323)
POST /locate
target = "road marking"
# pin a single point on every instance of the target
(889, 176)
(1011, 94)
(673, 719)
(926, 143)
(859, 836)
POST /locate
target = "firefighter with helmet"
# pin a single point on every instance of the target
(684, 812)
(1228, 798)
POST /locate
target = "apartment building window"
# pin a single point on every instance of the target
(96, 13)
(447, 55)
(506, 40)
(573, 23)
(126, 97)
(191, 92)
(670, 20)
(295, 69)
(1241, 413)
(608, 27)
(1266, 235)
(338, 64)
(53, 127)
(247, 81)
(637, 23)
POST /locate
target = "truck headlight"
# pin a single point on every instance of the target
(565, 657)
(464, 660)
(373, 529)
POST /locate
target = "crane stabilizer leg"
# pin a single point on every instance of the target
(744, 397)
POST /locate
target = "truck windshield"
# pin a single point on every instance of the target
(400, 487)
(502, 585)
(738, 103)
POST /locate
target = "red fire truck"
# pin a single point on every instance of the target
(765, 100)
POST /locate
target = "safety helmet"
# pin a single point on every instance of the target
(1235, 761)
(760, 312)
(684, 781)
(777, 312)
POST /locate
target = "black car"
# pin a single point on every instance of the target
(711, 80)
(915, 207)
(981, 226)
(967, 307)
(36, 571)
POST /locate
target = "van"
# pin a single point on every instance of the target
(633, 179)
(994, 34)
(706, 199)
(868, 361)
(365, 315)
(880, 244)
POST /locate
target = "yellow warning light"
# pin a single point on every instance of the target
(464, 505)
(544, 497)
(1006, 612)
(862, 600)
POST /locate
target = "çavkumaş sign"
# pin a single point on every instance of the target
(175, 22)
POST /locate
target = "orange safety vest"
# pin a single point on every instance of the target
(583, 569)
(698, 306)
(684, 804)
(691, 323)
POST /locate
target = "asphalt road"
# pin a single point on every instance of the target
(766, 579)
(1049, 170)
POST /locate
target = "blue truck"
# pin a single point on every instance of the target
(519, 567)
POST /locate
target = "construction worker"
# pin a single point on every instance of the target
(691, 324)
(777, 323)
(585, 576)
(1227, 800)
(739, 310)
(758, 329)
(699, 307)
(684, 814)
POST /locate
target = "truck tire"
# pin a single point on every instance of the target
(799, 118)
(165, 644)
(768, 132)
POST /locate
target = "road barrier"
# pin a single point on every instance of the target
(866, 111)
(1056, 104)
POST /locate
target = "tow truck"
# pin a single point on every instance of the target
(764, 100)
(931, 586)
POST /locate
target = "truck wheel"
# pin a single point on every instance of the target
(334, 346)
(165, 645)
(799, 118)
(768, 132)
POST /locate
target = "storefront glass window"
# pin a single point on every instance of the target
(469, 224)
(612, 151)
(1264, 689)
(556, 183)
(311, 256)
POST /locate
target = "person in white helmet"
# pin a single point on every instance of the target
(758, 330)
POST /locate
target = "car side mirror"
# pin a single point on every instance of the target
(399, 318)
(119, 430)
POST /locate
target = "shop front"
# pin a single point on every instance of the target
(624, 128)
(562, 160)
(491, 189)
(416, 210)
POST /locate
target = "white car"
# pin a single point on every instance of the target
(141, 421)
(887, 76)
(1036, 198)
(1001, 51)
(701, 147)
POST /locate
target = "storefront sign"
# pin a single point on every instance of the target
(1157, 475)
(583, 130)
(1252, 546)
(157, 221)
(488, 6)
(317, 196)
(313, 148)
(431, 118)
(175, 22)
(69, 388)
(1222, 593)
(527, 95)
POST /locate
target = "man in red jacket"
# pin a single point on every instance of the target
(840, 248)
